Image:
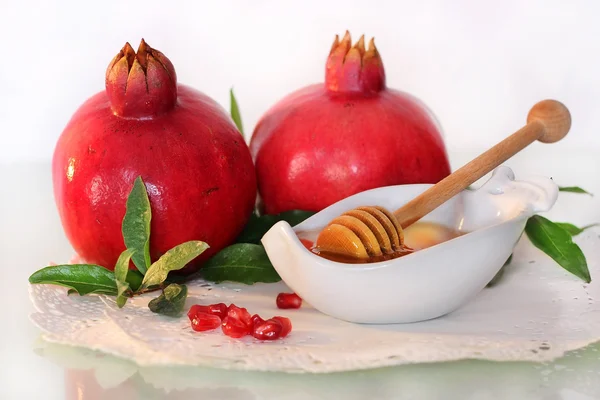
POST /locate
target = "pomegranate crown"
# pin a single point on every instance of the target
(354, 68)
(142, 84)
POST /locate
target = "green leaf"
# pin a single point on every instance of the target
(243, 262)
(172, 260)
(83, 278)
(572, 229)
(235, 112)
(573, 189)
(256, 228)
(134, 279)
(121, 268)
(170, 302)
(136, 225)
(557, 243)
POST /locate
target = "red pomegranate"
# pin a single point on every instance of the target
(196, 166)
(328, 141)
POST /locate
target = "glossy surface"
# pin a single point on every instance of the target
(328, 141)
(197, 170)
(32, 370)
(316, 147)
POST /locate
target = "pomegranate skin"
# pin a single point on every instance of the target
(328, 141)
(196, 167)
(317, 147)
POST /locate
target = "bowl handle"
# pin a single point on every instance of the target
(536, 193)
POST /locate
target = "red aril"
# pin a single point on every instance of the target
(219, 309)
(196, 309)
(205, 322)
(286, 325)
(235, 328)
(240, 314)
(236, 322)
(268, 330)
(256, 321)
(195, 164)
(288, 300)
(328, 141)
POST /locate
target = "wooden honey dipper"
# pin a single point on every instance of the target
(373, 231)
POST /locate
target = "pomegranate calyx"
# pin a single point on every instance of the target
(141, 84)
(354, 68)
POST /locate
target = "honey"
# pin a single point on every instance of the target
(418, 236)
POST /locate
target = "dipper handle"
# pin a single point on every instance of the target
(548, 121)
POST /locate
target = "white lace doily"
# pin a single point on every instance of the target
(536, 313)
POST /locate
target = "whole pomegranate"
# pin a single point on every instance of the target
(328, 141)
(196, 166)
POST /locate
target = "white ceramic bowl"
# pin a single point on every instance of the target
(428, 283)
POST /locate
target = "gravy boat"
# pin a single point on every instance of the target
(428, 283)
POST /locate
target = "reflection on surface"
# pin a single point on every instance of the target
(91, 375)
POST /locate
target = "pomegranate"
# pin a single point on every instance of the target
(196, 166)
(328, 141)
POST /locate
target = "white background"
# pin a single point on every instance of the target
(479, 65)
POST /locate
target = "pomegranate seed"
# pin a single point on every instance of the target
(205, 322)
(288, 300)
(307, 243)
(220, 310)
(196, 309)
(286, 325)
(240, 314)
(234, 328)
(236, 322)
(257, 320)
(269, 330)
